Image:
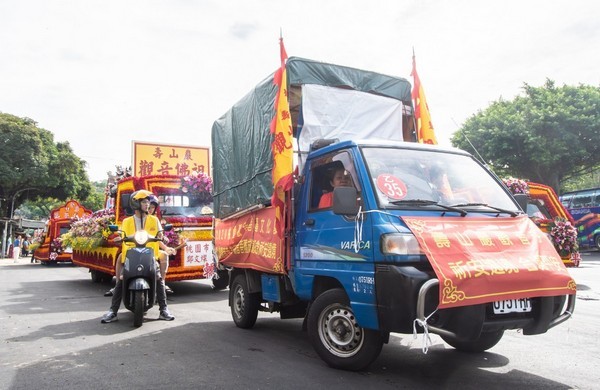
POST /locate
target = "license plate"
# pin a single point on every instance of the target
(522, 305)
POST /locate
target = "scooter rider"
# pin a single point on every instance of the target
(139, 202)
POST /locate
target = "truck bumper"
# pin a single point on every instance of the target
(406, 294)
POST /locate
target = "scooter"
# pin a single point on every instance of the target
(139, 274)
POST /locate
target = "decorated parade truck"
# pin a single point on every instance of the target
(190, 223)
(185, 202)
(325, 210)
(545, 210)
(47, 244)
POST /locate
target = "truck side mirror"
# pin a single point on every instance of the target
(345, 201)
(522, 200)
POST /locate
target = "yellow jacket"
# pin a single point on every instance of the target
(152, 226)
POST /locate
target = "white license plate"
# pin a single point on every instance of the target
(522, 305)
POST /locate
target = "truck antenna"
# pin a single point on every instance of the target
(470, 143)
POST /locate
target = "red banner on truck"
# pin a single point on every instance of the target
(250, 241)
(480, 260)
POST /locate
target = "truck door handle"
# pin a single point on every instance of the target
(309, 222)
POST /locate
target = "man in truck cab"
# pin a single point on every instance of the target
(141, 220)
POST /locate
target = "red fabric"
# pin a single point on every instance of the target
(251, 241)
(479, 260)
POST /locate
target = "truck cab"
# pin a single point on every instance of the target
(50, 249)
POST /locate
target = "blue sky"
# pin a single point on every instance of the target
(101, 74)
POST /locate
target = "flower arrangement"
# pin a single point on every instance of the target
(564, 237)
(198, 186)
(89, 232)
(173, 238)
(516, 186)
(56, 245)
(36, 240)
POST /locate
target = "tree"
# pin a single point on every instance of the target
(32, 165)
(549, 135)
(40, 208)
(587, 179)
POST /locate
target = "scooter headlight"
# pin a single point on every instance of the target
(141, 237)
(400, 244)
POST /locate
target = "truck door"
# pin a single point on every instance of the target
(321, 235)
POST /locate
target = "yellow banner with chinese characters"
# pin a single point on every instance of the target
(480, 260)
(165, 159)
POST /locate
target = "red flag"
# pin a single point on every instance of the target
(281, 127)
(425, 133)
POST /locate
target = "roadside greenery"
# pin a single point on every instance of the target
(34, 167)
(550, 135)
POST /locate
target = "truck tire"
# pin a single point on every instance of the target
(485, 341)
(96, 276)
(244, 306)
(222, 282)
(597, 242)
(138, 308)
(336, 336)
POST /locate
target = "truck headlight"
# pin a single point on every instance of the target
(400, 244)
(141, 237)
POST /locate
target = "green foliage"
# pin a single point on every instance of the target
(95, 201)
(549, 135)
(587, 179)
(39, 208)
(32, 165)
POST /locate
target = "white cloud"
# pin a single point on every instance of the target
(100, 74)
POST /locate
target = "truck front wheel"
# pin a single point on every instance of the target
(244, 306)
(485, 341)
(336, 335)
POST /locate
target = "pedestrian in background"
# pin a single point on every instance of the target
(25, 247)
(16, 248)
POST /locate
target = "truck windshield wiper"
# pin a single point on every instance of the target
(428, 202)
(512, 213)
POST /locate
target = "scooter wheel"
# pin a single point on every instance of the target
(138, 308)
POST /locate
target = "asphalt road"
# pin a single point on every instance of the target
(52, 338)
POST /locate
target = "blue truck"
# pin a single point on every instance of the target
(420, 238)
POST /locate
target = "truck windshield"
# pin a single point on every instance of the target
(411, 178)
(181, 205)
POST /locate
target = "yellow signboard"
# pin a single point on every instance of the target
(162, 159)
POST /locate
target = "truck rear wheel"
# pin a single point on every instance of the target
(336, 335)
(485, 341)
(96, 276)
(244, 306)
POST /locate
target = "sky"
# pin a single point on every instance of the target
(103, 73)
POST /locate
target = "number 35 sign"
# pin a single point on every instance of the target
(391, 186)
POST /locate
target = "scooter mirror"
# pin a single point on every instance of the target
(168, 227)
(113, 228)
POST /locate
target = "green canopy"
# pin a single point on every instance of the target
(241, 139)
